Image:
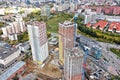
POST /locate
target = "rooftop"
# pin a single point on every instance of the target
(112, 70)
(25, 43)
(75, 52)
(102, 24)
(5, 52)
(88, 25)
(114, 25)
(12, 70)
(36, 23)
(66, 24)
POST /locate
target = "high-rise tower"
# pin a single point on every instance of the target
(73, 64)
(38, 40)
(67, 33)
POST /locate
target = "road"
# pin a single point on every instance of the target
(112, 59)
(109, 45)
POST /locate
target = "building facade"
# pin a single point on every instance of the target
(8, 56)
(16, 26)
(13, 37)
(21, 23)
(38, 40)
(73, 65)
(67, 32)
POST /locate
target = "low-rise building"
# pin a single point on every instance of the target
(100, 24)
(89, 25)
(115, 27)
(8, 56)
(12, 36)
(5, 32)
(53, 41)
(18, 68)
(24, 47)
(62, 7)
(12, 26)
(90, 17)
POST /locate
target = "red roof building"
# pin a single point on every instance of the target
(100, 24)
(88, 25)
(114, 26)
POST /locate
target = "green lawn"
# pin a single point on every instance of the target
(52, 23)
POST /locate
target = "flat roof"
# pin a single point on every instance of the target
(12, 70)
(5, 52)
(24, 44)
(36, 23)
(66, 24)
(75, 52)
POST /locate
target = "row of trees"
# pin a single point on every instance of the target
(115, 78)
(32, 16)
(116, 51)
(99, 35)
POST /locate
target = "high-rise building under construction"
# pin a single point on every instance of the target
(73, 64)
(67, 32)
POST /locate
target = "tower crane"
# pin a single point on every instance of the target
(85, 48)
(75, 26)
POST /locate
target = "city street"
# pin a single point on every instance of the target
(112, 59)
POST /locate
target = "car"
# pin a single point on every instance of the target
(100, 70)
(95, 74)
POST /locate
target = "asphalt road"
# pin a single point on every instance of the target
(113, 59)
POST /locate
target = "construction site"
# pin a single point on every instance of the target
(45, 71)
(79, 58)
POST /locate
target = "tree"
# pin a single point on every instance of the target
(23, 37)
(1, 32)
(22, 12)
(1, 24)
(115, 78)
(48, 34)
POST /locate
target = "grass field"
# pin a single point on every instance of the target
(52, 23)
